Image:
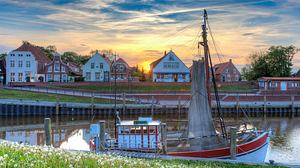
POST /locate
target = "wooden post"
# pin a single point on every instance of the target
(57, 105)
(233, 143)
(237, 106)
(152, 106)
(293, 108)
(124, 102)
(47, 127)
(265, 106)
(102, 136)
(179, 112)
(92, 105)
(164, 137)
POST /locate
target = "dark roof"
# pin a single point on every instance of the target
(37, 52)
(153, 64)
(279, 79)
(120, 60)
(219, 68)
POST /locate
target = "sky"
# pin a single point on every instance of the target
(140, 31)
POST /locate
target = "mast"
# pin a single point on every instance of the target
(206, 55)
(115, 93)
(208, 63)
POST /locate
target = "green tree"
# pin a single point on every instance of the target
(275, 62)
(2, 56)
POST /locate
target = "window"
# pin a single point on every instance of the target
(171, 65)
(20, 77)
(12, 55)
(237, 78)
(56, 77)
(50, 68)
(63, 69)
(183, 76)
(27, 55)
(64, 78)
(273, 84)
(20, 63)
(122, 77)
(20, 55)
(12, 77)
(101, 65)
(234, 71)
(226, 70)
(49, 77)
(223, 78)
(88, 76)
(92, 65)
(56, 67)
(28, 64)
(97, 76)
(171, 58)
(12, 63)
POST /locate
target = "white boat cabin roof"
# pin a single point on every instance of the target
(142, 121)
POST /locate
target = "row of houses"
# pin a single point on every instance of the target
(29, 63)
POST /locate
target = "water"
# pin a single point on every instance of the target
(73, 132)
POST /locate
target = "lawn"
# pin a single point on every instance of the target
(14, 155)
(149, 87)
(25, 95)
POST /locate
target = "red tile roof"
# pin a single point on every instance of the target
(219, 68)
(37, 52)
(279, 78)
(120, 60)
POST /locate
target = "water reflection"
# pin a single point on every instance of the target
(73, 132)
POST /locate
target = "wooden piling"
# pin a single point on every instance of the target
(233, 131)
(47, 128)
(57, 106)
(237, 106)
(265, 106)
(293, 107)
(102, 136)
(124, 102)
(164, 137)
(152, 106)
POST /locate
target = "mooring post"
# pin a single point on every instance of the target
(233, 131)
(152, 106)
(237, 106)
(92, 104)
(57, 105)
(47, 127)
(293, 108)
(265, 106)
(124, 102)
(102, 136)
(164, 137)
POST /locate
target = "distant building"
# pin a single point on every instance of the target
(2, 72)
(227, 72)
(122, 71)
(75, 71)
(279, 84)
(56, 70)
(169, 68)
(26, 64)
(97, 68)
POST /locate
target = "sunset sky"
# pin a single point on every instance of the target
(140, 31)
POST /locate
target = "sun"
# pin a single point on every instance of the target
(146, 66)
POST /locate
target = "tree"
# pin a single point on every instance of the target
(143, 76)
(2, 56)
(275, 62)
(49, 50)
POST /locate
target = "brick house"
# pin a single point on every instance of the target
(123, 71)
(56, 70)
(279, 84)
(227, 72)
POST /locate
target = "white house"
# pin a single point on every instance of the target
(97, 68)
(26, 64)
(169, 68)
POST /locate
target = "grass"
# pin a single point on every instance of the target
(150, 87)
(15, 155)
(25, 95)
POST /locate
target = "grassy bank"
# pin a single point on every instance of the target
(13, 155)
(24, 95)
(149, 87)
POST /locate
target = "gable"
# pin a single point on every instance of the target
(171, 64)
(96, 59)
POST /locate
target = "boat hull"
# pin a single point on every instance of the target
(252, 151)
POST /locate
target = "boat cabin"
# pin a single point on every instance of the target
(142, 134)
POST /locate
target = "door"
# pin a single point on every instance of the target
(283, 86)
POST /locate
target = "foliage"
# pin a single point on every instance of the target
(74, 57)
(2, 56)
(15, 155)
(275, 62)
(143, 76)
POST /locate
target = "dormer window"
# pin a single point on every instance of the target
(20, 55)
(12, 55)
(171, 58)
(27, 55)
(92, 65)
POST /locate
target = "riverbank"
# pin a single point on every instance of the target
(26, 95)
(15, 155)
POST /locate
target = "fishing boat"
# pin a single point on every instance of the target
(205, 137)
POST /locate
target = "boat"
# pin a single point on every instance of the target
(202, 139)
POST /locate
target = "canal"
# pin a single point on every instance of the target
(72, 132)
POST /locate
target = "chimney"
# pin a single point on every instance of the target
(165, 53)
(230, 60)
